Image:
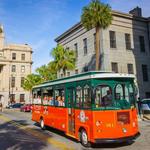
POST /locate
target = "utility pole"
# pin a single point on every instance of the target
(9, 89)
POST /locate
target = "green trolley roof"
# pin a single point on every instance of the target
(85, 76)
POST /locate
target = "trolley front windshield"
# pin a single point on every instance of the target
(114, 94)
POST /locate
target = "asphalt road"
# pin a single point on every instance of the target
(18, 132)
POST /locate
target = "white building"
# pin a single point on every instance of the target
(15, 65)
(125, 47)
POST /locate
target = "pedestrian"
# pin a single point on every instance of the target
(139, 107)
(1, 107)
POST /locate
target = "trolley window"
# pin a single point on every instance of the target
(37, 96)
(103, 96)
(87, 97)
(59, 97)
(48, 96)
(79, 96)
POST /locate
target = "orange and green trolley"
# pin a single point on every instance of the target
(92, 107)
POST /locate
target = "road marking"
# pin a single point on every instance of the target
(37, 134)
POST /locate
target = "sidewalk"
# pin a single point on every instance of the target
(146, 116)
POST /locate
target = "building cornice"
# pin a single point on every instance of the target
(18, 47)
(21, 50)
(15, 61)
(114, 13)
(73, 28)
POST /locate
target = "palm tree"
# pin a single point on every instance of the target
(31, 80)
(96, 15)
(46, 72)
(64, 59)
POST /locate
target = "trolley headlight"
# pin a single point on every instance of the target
(124, 130)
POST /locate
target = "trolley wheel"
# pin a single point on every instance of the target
(42, 124)
(84, 138)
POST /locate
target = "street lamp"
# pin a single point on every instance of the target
(11, 85)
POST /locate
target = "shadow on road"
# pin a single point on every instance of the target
(110, 145)
(14, 138)
(56, 131)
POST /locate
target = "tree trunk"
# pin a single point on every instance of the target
(97, 50)
(64, 71)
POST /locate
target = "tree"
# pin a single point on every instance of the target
(31, 80)
(64, 59)
(96, 15)
(44, 73)
(47, 72)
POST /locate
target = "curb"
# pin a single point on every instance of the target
(146, 117)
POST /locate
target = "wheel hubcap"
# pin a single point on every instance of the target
(42, 123)
(84, 138)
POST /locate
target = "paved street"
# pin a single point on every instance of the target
(18, 132)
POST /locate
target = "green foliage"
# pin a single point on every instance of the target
(46, 72)
(96, 14)
(64, 59)
(31, 80)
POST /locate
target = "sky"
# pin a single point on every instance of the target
(39, 22)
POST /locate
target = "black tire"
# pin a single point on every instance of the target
(84, 138)
(42, 124)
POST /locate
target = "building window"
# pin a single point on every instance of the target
(13, 68)
(130, 68)
(68, 74)
(13, 56)
(1, 69)
(12, 98)
(114, 67)
(22, 98)
(142, 43)
(22, 81)
(145, 72)
(147, 94)
(85, 69)
(61, 75)
(94, 36)
(67, 48)
(76, 49)
(22, 56)
(22, 69)
(128, 41)
(76, 71)
(112, 37)
(85, 46)
(12, 81)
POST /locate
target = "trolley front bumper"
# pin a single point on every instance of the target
(118, 140)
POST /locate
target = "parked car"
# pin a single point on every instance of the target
(145, 104)
(15, 105)
(26, 108)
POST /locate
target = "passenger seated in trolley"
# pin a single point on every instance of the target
(56, 101)
(61, 101)
(51, 100)
(107, 99)
(45, 97)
